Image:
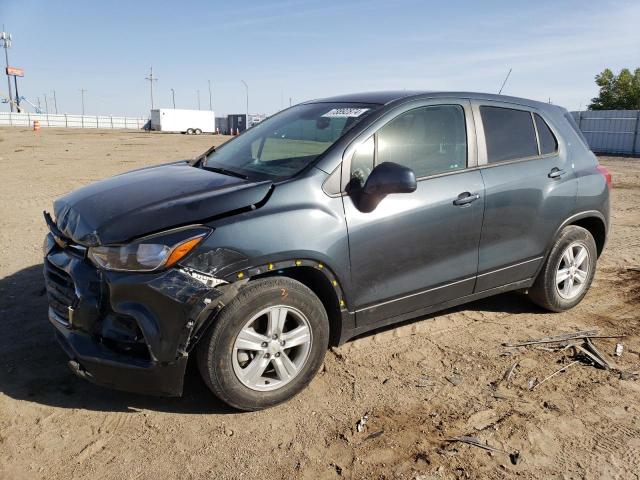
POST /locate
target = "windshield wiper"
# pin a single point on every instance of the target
(224, 171)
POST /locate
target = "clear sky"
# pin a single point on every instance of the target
(309, 49)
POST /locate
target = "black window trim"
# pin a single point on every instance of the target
(555, 137)
(513, 106)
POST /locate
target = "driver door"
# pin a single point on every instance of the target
(418, 249)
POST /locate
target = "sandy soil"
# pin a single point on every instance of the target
(420, 383)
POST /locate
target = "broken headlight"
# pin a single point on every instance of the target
(149, 253)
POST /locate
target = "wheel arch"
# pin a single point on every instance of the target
(592, 220)
(596, 227)
(322, 282)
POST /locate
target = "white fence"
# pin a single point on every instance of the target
(611, 131)
(8, 119)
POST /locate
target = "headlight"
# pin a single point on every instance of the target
(149, 253)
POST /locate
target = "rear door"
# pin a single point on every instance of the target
(530, 188)
(421, 248)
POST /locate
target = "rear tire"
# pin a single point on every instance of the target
(251, 367)
(197, 131)
(189, 131)
(568, 271)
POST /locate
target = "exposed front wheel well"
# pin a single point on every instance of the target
(596, 228)
(319, 284)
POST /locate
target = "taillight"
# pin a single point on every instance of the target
(607, 175)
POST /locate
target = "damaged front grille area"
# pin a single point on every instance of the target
(60, 291)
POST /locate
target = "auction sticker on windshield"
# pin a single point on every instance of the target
(345, 112)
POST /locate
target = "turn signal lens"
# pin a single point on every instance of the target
(181, 250)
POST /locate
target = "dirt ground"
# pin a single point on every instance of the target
(425, 381)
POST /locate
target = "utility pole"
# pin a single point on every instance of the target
(6, 44)
(82, 92)
(210, 97)
(151, 79)
(247, 91)
(46, 104)
(289, 101)
(173, 98)
(198, 93)
(55, 102)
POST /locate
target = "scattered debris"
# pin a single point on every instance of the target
(633, 269)
(513, 456)
(360, 424)
(502, 396)
(618, 350)
(454, 379)
(375, 435)
(629, 375)
(533, 384)
(563, 337)
(509, 373)
(589, 349)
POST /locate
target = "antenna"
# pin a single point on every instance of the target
(505, 81)
(151, 79)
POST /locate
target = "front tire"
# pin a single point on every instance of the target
(568, 272)
(266, 345)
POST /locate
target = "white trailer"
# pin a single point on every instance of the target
(184, 121)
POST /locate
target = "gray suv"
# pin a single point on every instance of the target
(327, 220)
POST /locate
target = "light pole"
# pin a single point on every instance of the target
(82, 92)
(247, 91)
(151, 79)
(6, 43)
(173, 98)
(46, 104)
(210, 96)
(55, 102)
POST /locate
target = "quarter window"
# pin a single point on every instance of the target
(509, 133)
(548, 142)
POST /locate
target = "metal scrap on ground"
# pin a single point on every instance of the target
(563, 337)
(513, 456)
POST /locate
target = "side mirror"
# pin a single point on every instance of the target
(389, 177)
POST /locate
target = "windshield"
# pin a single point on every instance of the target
(283, 145)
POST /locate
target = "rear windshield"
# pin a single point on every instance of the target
(283, 145)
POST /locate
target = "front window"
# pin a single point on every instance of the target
(283, 145)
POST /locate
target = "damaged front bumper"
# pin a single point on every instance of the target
(128, 331)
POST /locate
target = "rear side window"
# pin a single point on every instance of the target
(509, 133)
(548, 142)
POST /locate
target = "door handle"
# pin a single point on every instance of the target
(465, 198)
(556, 173)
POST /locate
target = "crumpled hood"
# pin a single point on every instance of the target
(120, 208)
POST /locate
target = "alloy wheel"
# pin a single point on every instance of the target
(573, 271)
(272, 348)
